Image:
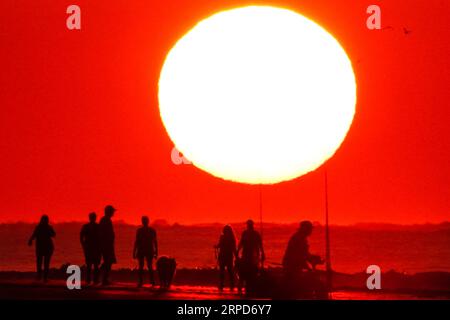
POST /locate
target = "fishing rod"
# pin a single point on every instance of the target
(260, 211)
(261, 218)
(327, 241)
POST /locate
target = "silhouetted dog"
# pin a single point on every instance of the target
(166, 270)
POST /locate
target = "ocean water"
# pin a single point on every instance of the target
(407, 249)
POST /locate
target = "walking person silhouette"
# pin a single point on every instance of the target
(107, 238)
(43, 234)
(145, 249)
(251, 258)
(90, 242)
(226, 256)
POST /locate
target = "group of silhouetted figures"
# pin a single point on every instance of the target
(243, 260)
(97, 240)
(246, 259)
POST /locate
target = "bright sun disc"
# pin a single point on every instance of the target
(257, 95)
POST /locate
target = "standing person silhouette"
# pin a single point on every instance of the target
(107, 237)
(226, 256)
(145, 249)
(90, 242)
(252, 255)
(43, 234)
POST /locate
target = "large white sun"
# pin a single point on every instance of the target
(257, 95)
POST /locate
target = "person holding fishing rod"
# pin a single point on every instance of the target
(297, 258)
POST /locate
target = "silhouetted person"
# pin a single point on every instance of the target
(43, 234)
(297, 256)
(107, 237)
(252, 255)
(90, 241)
(145, 249)
(227, 253)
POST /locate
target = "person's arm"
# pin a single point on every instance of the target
(309, 256)
(306, 256)
(135, 245)
(155, 242)
(261, 248)
(239, 246)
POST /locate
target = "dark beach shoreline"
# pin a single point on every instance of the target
(201, 284)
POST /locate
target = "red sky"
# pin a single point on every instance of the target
(80, 126)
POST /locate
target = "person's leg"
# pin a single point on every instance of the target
(240, 274)
(150, 269)
(221, 275)
(47, 259)
(88, 272)
(244, 275)
(106, 269)
(39, 266)
(102, 270)
(249, 276)
(231, 274)
(96, 272)
(252, 278)
(141, 271)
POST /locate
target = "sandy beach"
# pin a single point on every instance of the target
(57, 290)
(202, 285)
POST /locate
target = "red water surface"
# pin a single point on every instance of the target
(410, 249)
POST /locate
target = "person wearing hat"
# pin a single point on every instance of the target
(107, 237)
